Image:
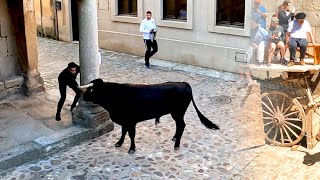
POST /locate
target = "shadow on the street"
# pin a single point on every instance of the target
(243, 101)
(310, 160)
(253, 147)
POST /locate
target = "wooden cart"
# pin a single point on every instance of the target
(291, 104)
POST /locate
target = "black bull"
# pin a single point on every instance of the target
(129, 104)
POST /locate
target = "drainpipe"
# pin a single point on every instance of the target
(56, 29)
(41, 18)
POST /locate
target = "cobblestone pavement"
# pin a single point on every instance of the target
(237, 151)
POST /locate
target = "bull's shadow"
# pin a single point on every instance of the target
(310, 160)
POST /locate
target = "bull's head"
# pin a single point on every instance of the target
(91, 94)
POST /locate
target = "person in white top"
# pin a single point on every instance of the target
(149, 29)
(297, 37)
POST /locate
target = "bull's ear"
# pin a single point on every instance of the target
(97, 81)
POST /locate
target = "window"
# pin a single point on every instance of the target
(127, 7)
(168, 13)
(230, 13)
(130, 11)
(175, 10)
(229, 17)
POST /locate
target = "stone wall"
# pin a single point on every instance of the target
(10, 83)
(310, 7)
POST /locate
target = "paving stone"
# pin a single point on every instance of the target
(1, 85)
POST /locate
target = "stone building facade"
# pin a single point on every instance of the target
(200, 39)
(18, 48)
(197, 39)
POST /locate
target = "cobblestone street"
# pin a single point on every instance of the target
(236, 151)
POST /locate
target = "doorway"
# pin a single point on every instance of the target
(75, 20)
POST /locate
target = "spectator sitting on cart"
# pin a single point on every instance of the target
(297, 37)
(276, 38)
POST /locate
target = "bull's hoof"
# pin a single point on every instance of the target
(131, 151)
(58, 118)
(174, 139)
(176, 148)
(117, 145)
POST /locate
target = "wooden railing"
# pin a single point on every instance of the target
(315, 52)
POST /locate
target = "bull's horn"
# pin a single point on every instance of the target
(85, 86)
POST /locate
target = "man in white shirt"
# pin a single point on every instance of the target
(149, 29)
(297, 33)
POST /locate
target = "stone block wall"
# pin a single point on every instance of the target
(10, 83)
(11, 86)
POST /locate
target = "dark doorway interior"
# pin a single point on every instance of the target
(75, 20)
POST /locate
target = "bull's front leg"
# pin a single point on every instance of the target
(123, 135)
(132, 134)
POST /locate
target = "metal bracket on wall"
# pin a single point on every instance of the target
(58, 5)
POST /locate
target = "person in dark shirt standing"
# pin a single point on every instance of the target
(68, 78)
(285, 16)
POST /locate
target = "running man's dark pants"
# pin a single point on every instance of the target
(150, 44)
(63, 94)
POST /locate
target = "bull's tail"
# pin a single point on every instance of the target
(203, 119)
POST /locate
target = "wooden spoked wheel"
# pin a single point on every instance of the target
(284, 118)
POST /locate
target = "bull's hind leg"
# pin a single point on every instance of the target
(132, 134)
(180, 125)
(123, 135)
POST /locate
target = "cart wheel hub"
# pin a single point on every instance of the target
(278, 119)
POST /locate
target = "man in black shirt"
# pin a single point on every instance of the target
(68, 78)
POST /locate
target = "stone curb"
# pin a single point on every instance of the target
(44, 146)
(227, 76)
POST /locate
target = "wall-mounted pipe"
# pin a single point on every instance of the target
(41, 18)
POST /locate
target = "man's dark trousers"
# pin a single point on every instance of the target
(150, 44)
(297, 42)
(63, 92)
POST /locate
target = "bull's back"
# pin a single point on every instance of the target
(142, 102)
